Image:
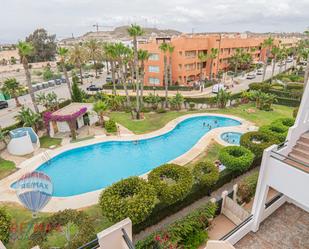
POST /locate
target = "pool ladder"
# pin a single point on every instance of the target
(46, 157)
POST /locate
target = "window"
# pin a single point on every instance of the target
(180, 53)
(153, 57)
(153, 69)
(154, 81)
(180, 66)
(190, 67)
(190, 54)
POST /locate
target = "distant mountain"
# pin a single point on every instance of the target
(121, 34)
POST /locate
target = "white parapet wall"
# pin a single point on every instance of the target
(112, 237)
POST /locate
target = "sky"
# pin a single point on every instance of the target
(19, 18)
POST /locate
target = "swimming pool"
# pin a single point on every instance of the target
(97, 166)
(231, 137)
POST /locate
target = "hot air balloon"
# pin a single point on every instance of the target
(34, 190)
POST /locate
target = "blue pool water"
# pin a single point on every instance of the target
(231, 137)
(94, 167)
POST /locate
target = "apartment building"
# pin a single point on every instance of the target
(184, 59)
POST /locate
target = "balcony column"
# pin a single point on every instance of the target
(261, 192)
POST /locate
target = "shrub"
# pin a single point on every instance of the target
(110, 126)
(5, 224)
(132, 197)
(205, 173)
(263, 86)
(171, 181)
(287, 122)
(295, 86)
(188, 232)
(161, 110)
(288, 101)
(277, 130)
(247, 187)
(257, 141)
(85, 228)
(191, 106)
(295, 111)
(236, 158)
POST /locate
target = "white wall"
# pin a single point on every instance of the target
(111, 238)
(20, 146)
(63, 126)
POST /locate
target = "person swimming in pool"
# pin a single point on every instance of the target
(204, 124)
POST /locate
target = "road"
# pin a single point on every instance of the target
(7, 115)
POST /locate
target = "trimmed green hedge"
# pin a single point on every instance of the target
(171, 181)
(5, 225)
(205, 173)
(263, 86)
(85, 228)
(110, 126)
(247, 187)
(287, 122)
(236, 158)
(288, 102)
(132, 197)
(295, 86)
(188, 232)
(277, 130)
(257, 141)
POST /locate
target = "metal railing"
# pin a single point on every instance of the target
(93, 244)
(235, 229)
(273, 200)
(127, 239)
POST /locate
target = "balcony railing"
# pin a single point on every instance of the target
(93, 244)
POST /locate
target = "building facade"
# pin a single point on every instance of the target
(185, 64)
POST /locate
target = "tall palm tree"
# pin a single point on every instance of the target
(63, 56)
(143, 56)
(211, 56)
(135, 31)
(26, 49)
(94, 52)
(77, 57)
(275, 51)
(236, 59)
(267, 44)
(202, 57)
(164, 48)
(12, 87)
(111, 55)
(170, 51)
(128, 56)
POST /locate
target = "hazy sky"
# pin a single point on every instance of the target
(18, 18)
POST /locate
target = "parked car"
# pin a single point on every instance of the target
(251, 76)
(289, 60)
(58, 81)
(3, 104)
(260, 72)
(93, 88)
(51, 83)
(217, 87)
(63, 80)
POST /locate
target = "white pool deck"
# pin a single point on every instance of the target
(7, 194)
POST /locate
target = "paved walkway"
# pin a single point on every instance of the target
(287, 228)
(185, 211)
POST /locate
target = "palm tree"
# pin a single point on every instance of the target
(128, 55)
(235, 60)
(26, 49)
(135, 31)
(267, 44)
(212, 55)
(12, 87)
(170, 51)
(111, 55)
(94, 51)
(275, 51)
(28, 118)
(63, 55)
(143, 56)
(202, 57)
(100, 107)
(77, 57)
(222, 98)
(164, 48)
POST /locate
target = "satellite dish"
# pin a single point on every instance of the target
(34, 190)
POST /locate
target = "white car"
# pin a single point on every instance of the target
(217, 87)
(289, 60)
(259, 72)
(251, 76)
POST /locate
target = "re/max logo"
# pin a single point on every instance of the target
(35, 185)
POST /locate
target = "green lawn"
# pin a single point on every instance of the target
(154, 121)
(6, 168)
(47, 142)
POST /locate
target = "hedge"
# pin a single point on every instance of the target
(288, 102)
(263, 86)
(171, 181)
(187, 232)
(132, 197)
(236, 158)
(247, 187)
(295, 86)
(257, 141)
(205, 173)
(110, 126)
(170, 88)
(5, 225)
(277, 130)
(85, 228)
(287, 122)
